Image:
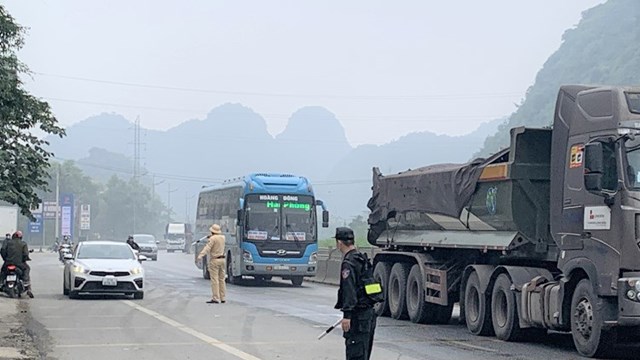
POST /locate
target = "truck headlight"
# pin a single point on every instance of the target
(246, 256)
(313, 259)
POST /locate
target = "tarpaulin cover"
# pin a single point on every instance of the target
(439, 189)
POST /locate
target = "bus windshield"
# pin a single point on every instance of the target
(280, 217)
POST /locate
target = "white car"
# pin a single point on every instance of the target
(103, 267)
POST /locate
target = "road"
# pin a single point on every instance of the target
(259, 321)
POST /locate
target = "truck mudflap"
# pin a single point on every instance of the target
(629, 301)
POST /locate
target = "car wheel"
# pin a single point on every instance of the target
(74, 295)
(139, 295)
(155, 258)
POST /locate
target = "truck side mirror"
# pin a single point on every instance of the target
(593, 162)
(325, 219)
(593, 182)
(593, 167)
(240, 216)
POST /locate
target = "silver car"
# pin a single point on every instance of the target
(103, 267)
(148, 245)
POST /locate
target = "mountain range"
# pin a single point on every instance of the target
(233, 140)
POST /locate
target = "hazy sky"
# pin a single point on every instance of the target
(385, 68)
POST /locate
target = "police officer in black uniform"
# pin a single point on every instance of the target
(359, 320)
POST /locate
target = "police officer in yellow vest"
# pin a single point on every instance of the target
(214, 251)
(358, 320)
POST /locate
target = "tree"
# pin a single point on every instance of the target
(23, 156)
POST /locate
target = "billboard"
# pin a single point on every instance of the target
(66, 214)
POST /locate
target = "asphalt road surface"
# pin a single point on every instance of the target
(272, 320)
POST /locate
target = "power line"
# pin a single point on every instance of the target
(458, 96)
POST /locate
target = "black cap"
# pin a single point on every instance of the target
(344, 234)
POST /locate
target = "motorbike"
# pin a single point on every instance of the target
(12, 284)
(64, 249)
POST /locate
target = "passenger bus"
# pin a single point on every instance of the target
(270, 224)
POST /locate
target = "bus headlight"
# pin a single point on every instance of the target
(247, 257)
(313, 259)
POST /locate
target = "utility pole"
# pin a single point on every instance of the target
(169, 191)
(136, 169)
(187, 202)
(57, 224)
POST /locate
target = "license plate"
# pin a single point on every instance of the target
(11, 278)
(281, 267)
(109, 281)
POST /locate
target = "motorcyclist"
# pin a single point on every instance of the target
(66, 240)
(132, 243)
(16, 252)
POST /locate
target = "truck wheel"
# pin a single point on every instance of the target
(504, 310)
(397, 293)
(205, 268)
(419, 310)
(381, 275)
(476, 310)
(589, 337)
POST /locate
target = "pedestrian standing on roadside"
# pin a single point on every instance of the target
(358, 320)
(214, 251)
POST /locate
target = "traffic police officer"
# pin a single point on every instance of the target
(359, 320)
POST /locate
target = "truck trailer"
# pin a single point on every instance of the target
(543, 235)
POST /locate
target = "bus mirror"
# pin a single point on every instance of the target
(240, 216)
(325, 218)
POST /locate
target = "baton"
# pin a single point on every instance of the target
(324, 333)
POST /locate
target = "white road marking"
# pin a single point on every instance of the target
(465, 344)
(206, 338)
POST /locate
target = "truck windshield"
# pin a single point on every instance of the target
(632, 173)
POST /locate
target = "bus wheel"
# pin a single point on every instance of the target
(504, 311)
(381, 274)
(589, 337)
(397, 293)
(230, 278)
(297, 280)
(476, 310)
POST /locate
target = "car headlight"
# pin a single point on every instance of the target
(79, 269)
(313, 259)
(136, 271)
(247, 256)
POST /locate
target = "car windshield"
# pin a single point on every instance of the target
(144, 239)
(632, 175)
(105, 251)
